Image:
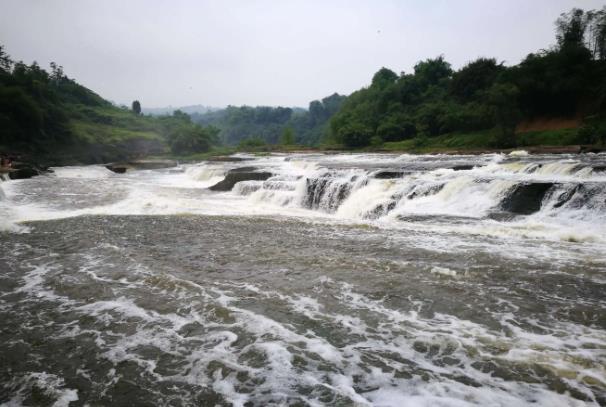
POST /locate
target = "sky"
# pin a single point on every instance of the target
(267, 52)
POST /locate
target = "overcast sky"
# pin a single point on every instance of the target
(276, 52)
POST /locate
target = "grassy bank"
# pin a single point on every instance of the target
(486, 140)
(556, 141)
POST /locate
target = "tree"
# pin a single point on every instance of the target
(191, 138)
(5, 61)
(432, 71)
(288, 137)
(597, 34)
(583, 29)
(571, 27)
(473, 77)
(56, 72)
(355, 135)
(316, 111)
(384, 77)
(136, 107)
(252, 143)
(503, 99)
(181, 116)
(396, 128)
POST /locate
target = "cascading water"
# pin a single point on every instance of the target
(328, 191)
(315, 279)
(487, 190)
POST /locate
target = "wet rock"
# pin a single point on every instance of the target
(566, 195)
(590, 196)
(464, 167)
(152, 164)
(118, 169)
(23, 173)
(226, 158)
(244, 169)
(121, 168)
(591, 149)
(524, 199)
(387, 174)
(326, 192)
(554, 149)
(240, 174)
(425, 190)
(25, 170)
(381, 210)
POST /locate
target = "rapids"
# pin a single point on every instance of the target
(343, 279)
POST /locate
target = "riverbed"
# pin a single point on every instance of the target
(344, 279)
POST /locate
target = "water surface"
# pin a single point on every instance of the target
(371, 280)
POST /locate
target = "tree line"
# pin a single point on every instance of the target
(568, 80)
(45, 111)
(564, 81)
(254, 126)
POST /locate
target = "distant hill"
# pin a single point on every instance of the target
(160, 111)
(51, 117)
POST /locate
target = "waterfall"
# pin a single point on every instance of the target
(328, 191)
(518, 188)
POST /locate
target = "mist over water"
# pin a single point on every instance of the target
(352, 279)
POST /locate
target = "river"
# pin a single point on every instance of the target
(342, 279)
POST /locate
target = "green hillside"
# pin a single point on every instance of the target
(51, 117)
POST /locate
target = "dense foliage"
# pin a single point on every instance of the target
(47, 114)
(185, 137)
(33, 103)
(566, 81)
(265, 123)
(238, 123)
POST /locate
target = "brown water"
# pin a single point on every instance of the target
(147, 289)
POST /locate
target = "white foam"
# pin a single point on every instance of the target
(443, 271)
(386, 334)
(469, 194)
(519, 153)
(207, 175)
(51, 385)
(85, 172)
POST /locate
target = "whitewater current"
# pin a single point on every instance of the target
(340, 279)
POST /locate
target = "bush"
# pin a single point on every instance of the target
(191, 138)
(593, 131)
(376, 141)
(252, 143)
(354, 135)
(396, 129)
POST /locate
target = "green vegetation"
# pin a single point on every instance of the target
(482, 140)
(184, 136)
(553, 97)
(558, 137)
(288, 137)
(53, 118)
(483, 103)
(252, 143)
(269, 123)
